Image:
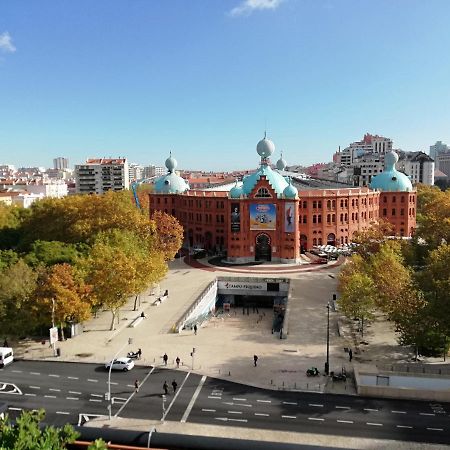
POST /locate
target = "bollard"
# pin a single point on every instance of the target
(271, 381)
(283, 383)
(229, 373)
(307, 386)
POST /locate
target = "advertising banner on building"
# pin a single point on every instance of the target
(289, 222)
(263, 216)
(240, 285)
(235, 218)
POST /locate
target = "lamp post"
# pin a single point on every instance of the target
(327, 363)
(129, 342)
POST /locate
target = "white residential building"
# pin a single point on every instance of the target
(135, 172)
(100, 175)
(418, 166)
(153, 171)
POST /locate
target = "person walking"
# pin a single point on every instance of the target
(136, 386)
(165, 359)
(5, 344)
(178, 362)
(350, 355)
(166, 387)
(195, 329)
(174, 385)
(255, 359)
(139, 353)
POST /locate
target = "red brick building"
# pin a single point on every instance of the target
(274, 215)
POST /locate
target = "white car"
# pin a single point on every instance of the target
(123, 364)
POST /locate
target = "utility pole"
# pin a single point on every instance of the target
(327, 363)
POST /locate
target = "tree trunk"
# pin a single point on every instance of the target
(62, 332)
(135, 302)
(362, 327)
(417, 352)
(118, 315)
(113, 312)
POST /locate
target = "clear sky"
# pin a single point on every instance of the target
(137, 78)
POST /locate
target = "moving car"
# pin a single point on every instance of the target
(6, 356)
(123, 364)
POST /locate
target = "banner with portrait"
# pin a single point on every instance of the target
(235, 218)
(289, 218)
(263, 216)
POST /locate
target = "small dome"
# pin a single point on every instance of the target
(236, 191)
(281, 163)
(171, 163)
(171, 183)
(391, 180)
(290, 191)
(265, 147)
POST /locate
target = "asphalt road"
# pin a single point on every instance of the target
(73, 392)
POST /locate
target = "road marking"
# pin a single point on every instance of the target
(370, 409)
(289, 403)
(239, 399)
(316, 418)
(112, 382)
(345, 421)
(34, 373)
(34, 387)
(213, 396)
(73, 378)
(374, 424)
(262, 414)
(175, 396)
(315, 404)
(403, 426)
(435, 429)
(72, 398)
(208, 410)
(74, 392)
(54, 390)
(226, 419)
(342, 407)
(93, 381)
(11, 408)
(97, 395)
(129, 385)
(94, 400)
(288, 417)
(426, 414)
(62, 412)
(16, 371)
(53, 375)
(193, 399)
(31, 395)
(264, 401)
(134, 392)
(50, 396)
(398, 412)
(234, 412)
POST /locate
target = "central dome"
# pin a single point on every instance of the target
(265, 147)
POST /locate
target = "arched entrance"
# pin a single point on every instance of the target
(303, 243)
(331, 239)
(263, 249)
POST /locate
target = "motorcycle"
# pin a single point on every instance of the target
(134, 355)
(340, 376)
(312, 372)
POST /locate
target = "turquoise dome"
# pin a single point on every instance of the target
(391, 180)
(235, 191)
(281, 163)
(277, 181)
(171, 183)
(290, 191)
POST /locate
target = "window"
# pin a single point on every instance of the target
(320, 241)
(384, 199)
(304, 219)
(342, 218)
(342, 203)
(319, 218)
(328, 218)
(333, 204)
(305, 204)
(402, 212)
(333, 218)
(393, 211)
(263, 193)
(314, 218)
(319, 204)
(384, 212)
(314, 204)
(314, 241)
(328, 204)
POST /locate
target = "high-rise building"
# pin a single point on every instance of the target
(99, 175)
(418, 166)
(153, 171)
(438, 148)
(60, 163)
(443, 163)
(135, 171)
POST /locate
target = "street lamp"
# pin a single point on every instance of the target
(327, 363)
(130, 341)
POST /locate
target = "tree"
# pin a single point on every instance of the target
(370, 240)
(7, 258)
(27, 434)
(358, 297)
(9, 216)
(54, 252)
(169, 234)
(17, 284)
(62, 296)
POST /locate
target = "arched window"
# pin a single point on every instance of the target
(328, 204)
(314, 204)
(319, 218)
(384, 212)
(305, 204)
(328, 218)
(342, 203)
(314, 218)
(393, 211)
(319, 204)
(263, 193)
(333, 218)
(305, 218)
(319, 241)
(333, 204)
(342, 218)
(314, 241)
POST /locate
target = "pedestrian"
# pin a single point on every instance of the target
(165, 359)
(195, 329)
(174, 385)
(143, 315)
(139, 353)
(136, 386)
(5, 344)
(166, 387)
(178, 362)
(255, 359)
(350, 355)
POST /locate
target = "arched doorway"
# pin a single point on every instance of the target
(303, 243)
(263, 249)
(331, 239)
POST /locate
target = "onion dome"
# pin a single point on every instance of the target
(265, 147)
(171, 183)
(290, 191)
(171, 163)
(281, 163)
(391, 180)
(235, 191)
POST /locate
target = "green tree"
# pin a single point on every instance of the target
(7, 258)
(370, 240)
(54, 252)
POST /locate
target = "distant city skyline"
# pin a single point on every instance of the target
(205, 79)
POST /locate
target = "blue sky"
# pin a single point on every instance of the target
(138, 78)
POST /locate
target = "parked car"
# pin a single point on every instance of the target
(123, 364)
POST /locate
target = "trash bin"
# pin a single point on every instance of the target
(58, 352)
